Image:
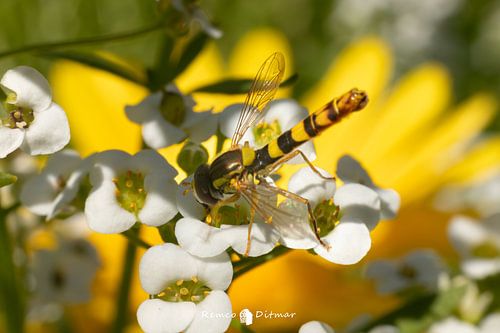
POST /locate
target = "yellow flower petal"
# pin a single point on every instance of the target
(429, 157)
(484, 157)
(94, 102)
(367, 65)
(411, 108)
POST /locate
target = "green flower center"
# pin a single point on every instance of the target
(327, 215)
(130, 191)
(13, 116)
(186, 291)
(229, 215)
(172, 108)
(487, 249)
(266, 132)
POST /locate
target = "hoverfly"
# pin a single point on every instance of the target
(241, 172)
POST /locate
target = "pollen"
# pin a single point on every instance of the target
(184, 291)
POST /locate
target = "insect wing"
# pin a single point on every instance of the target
(262, 91)
(290, 216)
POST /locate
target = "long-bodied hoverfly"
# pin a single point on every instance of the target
(242, 172)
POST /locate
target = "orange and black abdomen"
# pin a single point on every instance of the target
(331, 113)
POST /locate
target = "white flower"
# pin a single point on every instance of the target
(57, 185)
(478, 243)
(350, 171)
(128, 189)
(167, 118)
(384, 329)
(489, 324)
(421, 268)
(452, 325)
(315, 327)
(189, 291)
(482, 197)
(345, 217)
(64, 275)
(28, 118)
(281, 115)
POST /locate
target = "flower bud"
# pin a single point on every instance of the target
(191, 157)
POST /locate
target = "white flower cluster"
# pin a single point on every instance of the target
(118, 191)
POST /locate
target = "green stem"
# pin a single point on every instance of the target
(245, 265)
(134, 238)
(82, 41)
(122, 302)
(10, 290)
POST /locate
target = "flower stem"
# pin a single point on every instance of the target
(247, 264)
(83, 41)
(122, 302)
(10, 291)
(134, 238)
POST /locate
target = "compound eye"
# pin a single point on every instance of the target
(201, 186)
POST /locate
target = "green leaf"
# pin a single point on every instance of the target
(193, 48)
(447, 301)
(7, 179)
(96, 61)
(162, 73)
(237, 86)
(414, 325)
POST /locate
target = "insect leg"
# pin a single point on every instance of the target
(272, 167)
(250, 224)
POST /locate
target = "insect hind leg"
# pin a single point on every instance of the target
(274, 166)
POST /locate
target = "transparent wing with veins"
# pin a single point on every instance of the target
(262, 91)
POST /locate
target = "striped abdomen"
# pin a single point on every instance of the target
(312, 126)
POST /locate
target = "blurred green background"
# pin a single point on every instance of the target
(464, 35)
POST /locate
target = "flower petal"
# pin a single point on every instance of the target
(103, 212)
(480, 268)
(216, 272)
(10, 140)
(200, 125)
(150, 161)
(350, 242)
(295, 229)
(31, 88)
(360, 203)
(157, 316)
(490, 324)
(187, 204)
(145, 110)
(315, 327)
(164, 264)
(159, 133)
(263, 238)
(452, 325)
(228, 119)
(309, 185)
(386, 275)
(286, 111)
(351, 171)
(48, 133)
(389, 203)
(465, 233)
(200, 239)
(160, 205)
(38, 194)
(213, 314)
